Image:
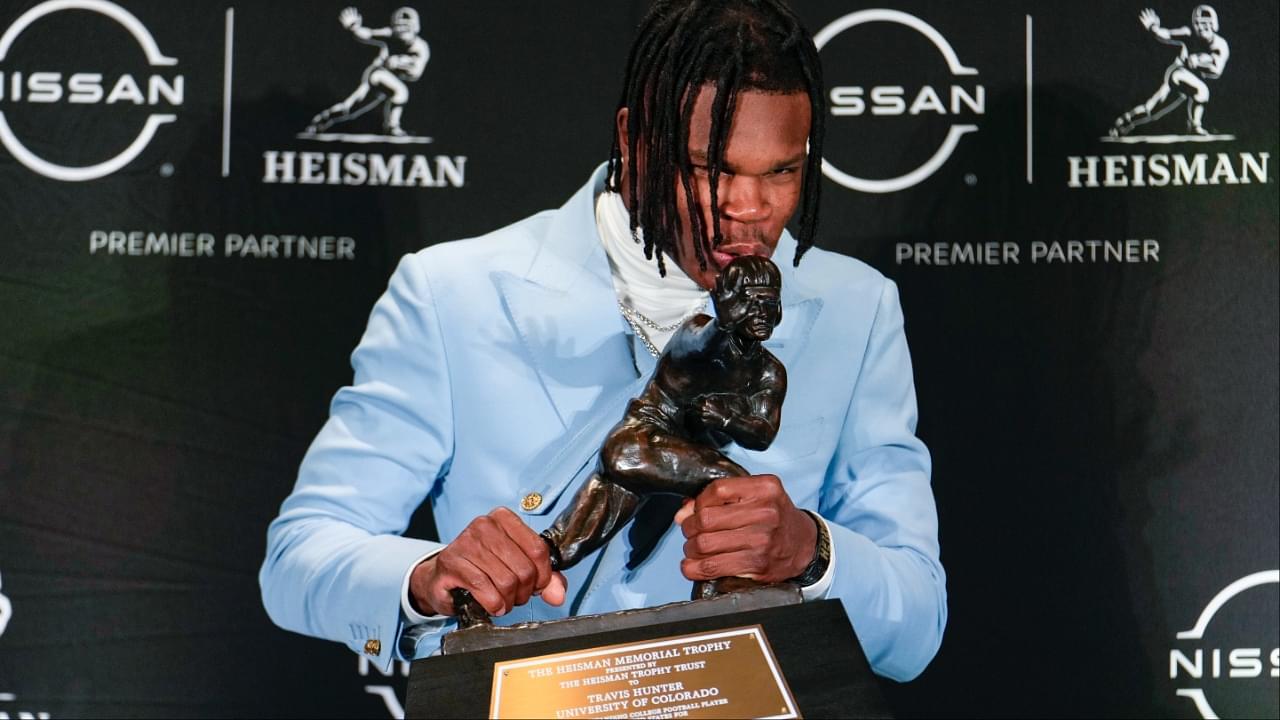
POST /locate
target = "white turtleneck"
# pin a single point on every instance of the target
(664, 300)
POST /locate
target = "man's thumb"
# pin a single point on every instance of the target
(554, 592)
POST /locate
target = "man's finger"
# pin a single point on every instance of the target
(460, 572)
(554, 592)
(743, 563)
(531, 545)
(709, 544)
(510, 554)
(731, 490)
(513, 548)
(503, 582)
(729, 517)
(685, 511)
(723, 491)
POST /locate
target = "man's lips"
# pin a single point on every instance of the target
(725, 254)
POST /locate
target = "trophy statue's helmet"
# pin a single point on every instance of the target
(406, 19)
(748, 271)
(1205, 13)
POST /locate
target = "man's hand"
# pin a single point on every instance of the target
(498, 558)
(1149, 19)
(350, 18)
(745, 527)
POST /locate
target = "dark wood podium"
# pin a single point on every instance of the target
(814, 645)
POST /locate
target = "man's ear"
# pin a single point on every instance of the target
(624, 137)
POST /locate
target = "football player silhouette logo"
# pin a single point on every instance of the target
(402, 56)
(1202, 56)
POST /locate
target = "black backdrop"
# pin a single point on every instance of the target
(1102, 412)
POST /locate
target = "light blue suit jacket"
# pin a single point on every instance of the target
(493, 367)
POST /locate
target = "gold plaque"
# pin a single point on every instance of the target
(720, 674)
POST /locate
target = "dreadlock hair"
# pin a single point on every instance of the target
(682, 45)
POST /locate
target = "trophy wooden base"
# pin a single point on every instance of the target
(817, 655)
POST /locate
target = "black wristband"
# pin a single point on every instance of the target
(821, 555)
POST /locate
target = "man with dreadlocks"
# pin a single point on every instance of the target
(493, 368)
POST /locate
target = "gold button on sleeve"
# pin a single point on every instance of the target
(372, 647)
(531, 501)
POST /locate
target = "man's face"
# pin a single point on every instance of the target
(760, 180)
(753, 312)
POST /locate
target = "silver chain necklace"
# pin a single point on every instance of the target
(635, 319)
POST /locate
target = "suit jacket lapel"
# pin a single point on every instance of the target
(800, 307)
(564, 310)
